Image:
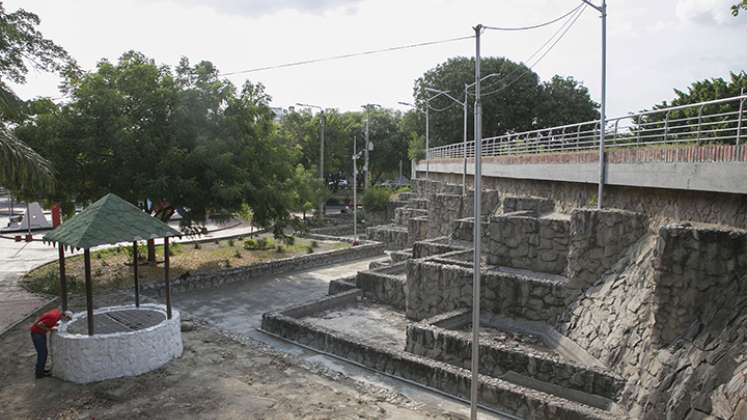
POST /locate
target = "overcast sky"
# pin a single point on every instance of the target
(653, 46)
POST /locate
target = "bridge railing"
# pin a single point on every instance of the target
(719, 122)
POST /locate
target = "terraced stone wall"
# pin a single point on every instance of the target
(433, 288)
(598, 239)
(537, 244)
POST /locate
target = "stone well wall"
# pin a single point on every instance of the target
(598, 240)
(537, 244)
(83, 358)
(694, 266)
(433, 288)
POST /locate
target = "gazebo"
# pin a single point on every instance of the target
(129, 339)
(110, 220)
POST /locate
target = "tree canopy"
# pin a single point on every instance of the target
(22, 47)
(514, 100)
(183, 138)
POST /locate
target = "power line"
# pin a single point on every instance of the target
(343, 56)
(525, 28)
(564, 30)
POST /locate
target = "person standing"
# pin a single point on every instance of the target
(43, 325)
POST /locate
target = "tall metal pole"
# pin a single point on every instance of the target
(475, 366)
(89, 289)
(427, 141)
(63, 279)
(166, 277)
(464, 172)
(365, 152)
(321, 162)
(355, 190)
(135, 273)
(603, 119)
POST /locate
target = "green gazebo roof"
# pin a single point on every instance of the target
(110, 220)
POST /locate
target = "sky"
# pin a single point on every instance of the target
(654, 46)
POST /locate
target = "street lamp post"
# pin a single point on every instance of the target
(475, 362)
(356, 155)
(603, 117)
(464, 106)
(321, 151)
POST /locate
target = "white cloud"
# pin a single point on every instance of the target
(265, 7)
(706, 12)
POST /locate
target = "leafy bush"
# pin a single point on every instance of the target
(279, 249)
(376, 198)
(314, 244)
(290, 240)
(237, 254)
(257, 244)
(309, 249)
(230, 243)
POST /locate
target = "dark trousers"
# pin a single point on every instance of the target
(40, 344)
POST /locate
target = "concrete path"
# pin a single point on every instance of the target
(238, 308)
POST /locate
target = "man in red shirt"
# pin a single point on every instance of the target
(46, 323)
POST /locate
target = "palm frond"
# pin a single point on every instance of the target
(20, 166)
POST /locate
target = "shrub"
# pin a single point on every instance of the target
(289, 240)
(256, 244)
(376, 198)
(309, 249)
(230, 243)
(314, 244)
(197, 245)
(279, 249)
(237, 254)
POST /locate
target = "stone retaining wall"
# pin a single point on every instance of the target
(497, 359)
(443, 210)
(538, 205)
(366, 249)
(383, 285)
(537, 244)
(433, 288)
(392, 236)
(417, 229)
(694, 266)
(403, 214)
(599, 238)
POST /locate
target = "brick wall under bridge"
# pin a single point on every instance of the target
(698, 183)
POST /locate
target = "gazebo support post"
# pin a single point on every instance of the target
(135, 268)
(166, 276)
(89, 289)
(63, 279)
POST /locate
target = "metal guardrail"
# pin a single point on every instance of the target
(719, 121)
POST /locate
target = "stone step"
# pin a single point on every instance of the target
(505, 396)
(531, 354)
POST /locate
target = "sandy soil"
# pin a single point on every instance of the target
(217, 378)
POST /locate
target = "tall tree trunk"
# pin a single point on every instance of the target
(151, 251)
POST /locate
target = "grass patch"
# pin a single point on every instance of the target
(112, 267)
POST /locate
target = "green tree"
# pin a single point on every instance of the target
(739, 6)
(564, 100)
(23, 47)
(512, 101)
(185, 139)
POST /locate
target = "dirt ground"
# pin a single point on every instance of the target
(217, 377)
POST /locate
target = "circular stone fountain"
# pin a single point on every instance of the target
(128, 341)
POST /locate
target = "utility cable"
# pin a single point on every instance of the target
(563, 32)
(343, 56)
(526, 28)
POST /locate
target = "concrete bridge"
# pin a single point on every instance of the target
(685, 162)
